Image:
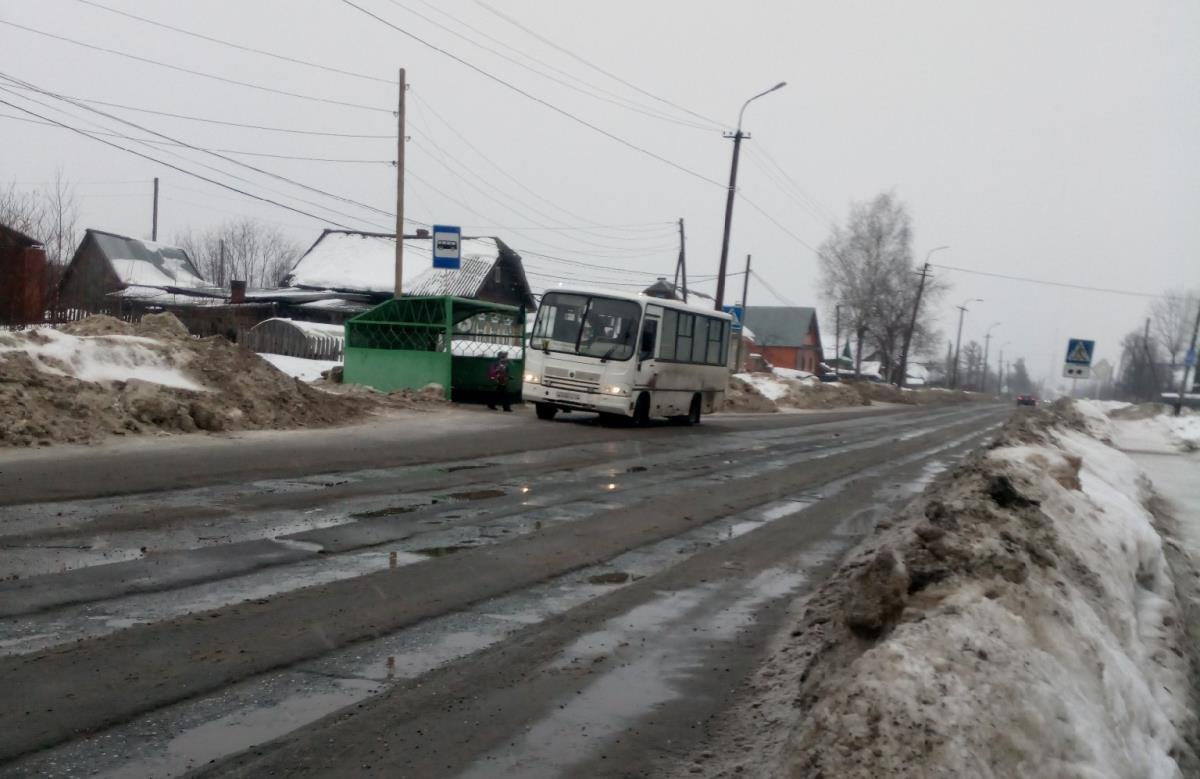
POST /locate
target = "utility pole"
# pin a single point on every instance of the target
(737, 137)
(221, 253)
(1150, 360)
(957, 344)
(737, 148)
(681, 265)
(154, 223)
(912, 324)
(987, 342)
(1183, 383)
(837, 339)
(400, 188)
(1000, 374)
(742, 335)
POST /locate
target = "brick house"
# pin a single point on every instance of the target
(787, 336)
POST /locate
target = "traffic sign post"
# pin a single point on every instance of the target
(447, 247)
(1078, 364)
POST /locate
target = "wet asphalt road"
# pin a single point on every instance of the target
(470, 595)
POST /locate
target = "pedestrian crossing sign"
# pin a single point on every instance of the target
(1079, 351)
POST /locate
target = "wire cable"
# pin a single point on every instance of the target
(597, 68)
(616, 100)
(210, 152)
(200, 73)
(224, 151)
(1045, 282)
(282, 57)
(97, 128)
(173, 167)
(535, 98)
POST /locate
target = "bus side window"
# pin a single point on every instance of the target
(666, 344)
(683, 337)
(649, 338)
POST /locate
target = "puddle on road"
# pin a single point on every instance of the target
(389, 511)
(442, 551)
(474, 495)
(636, 662)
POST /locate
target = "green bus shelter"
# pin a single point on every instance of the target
(411, 342)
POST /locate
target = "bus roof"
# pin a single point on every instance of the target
(642, 299)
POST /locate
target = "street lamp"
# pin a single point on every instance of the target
(912, 324)
(961, 310)
(987, 342)
(737, 145)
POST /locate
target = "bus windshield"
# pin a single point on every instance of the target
(589, 325)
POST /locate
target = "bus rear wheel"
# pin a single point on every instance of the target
(693, 415)
(641, 410)
(545, 410)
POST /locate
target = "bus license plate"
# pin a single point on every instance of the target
(567, 395)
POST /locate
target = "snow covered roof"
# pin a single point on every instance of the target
(781, 325)
(138, 263)
(348, 261)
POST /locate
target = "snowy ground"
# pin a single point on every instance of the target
(300, 368)
(779, 383)
(1030, 615)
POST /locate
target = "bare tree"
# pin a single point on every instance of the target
(1138, 377)
(49, 215)
(973, 361)
(1171, 318)
(867, 267)
(245, 250)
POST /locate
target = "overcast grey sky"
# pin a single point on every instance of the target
(1053, 140)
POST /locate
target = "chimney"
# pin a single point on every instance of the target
(237, 291)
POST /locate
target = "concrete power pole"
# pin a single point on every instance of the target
(962, 310)
(154, 222)
(912, 324)
(737, 148)
(1183, 383)
(681, 265)
(400, 189)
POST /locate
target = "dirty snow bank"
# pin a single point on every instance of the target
(786, 389)
(1020, 619)
(102, 377)
(299, 367)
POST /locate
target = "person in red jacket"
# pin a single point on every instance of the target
(498, 375)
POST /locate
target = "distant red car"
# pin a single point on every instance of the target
(1026, 400)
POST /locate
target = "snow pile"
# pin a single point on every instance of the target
(745, 397)
(299, 367)
(795, 375)
(102, 377)
(1184, 429)
(768, 386)
(100, 358)
(1019, 620)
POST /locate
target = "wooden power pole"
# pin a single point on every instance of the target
(682, 264)
(912, 325)
(742, 335)
(400, 189)
(154, 223)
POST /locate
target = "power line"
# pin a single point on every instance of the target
(202, 74)
(231, 45)
(771, 289)
(473, 179)
(173, 167)
(225, 151)
(546, 103)
(616, 100)
(591, 65)
(185, 158)
(210, 152)
(776, 222)
(782, 187)
(1026, 279)
(487, 158)
(828, 213)
(206, 120)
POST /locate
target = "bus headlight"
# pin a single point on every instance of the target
(533, 378)
(615, 390)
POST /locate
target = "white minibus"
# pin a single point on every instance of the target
(626, 355)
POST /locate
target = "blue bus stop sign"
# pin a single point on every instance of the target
(737, 313)
(447, 247)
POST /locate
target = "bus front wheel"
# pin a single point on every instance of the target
(545, 410)
(641, 410)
